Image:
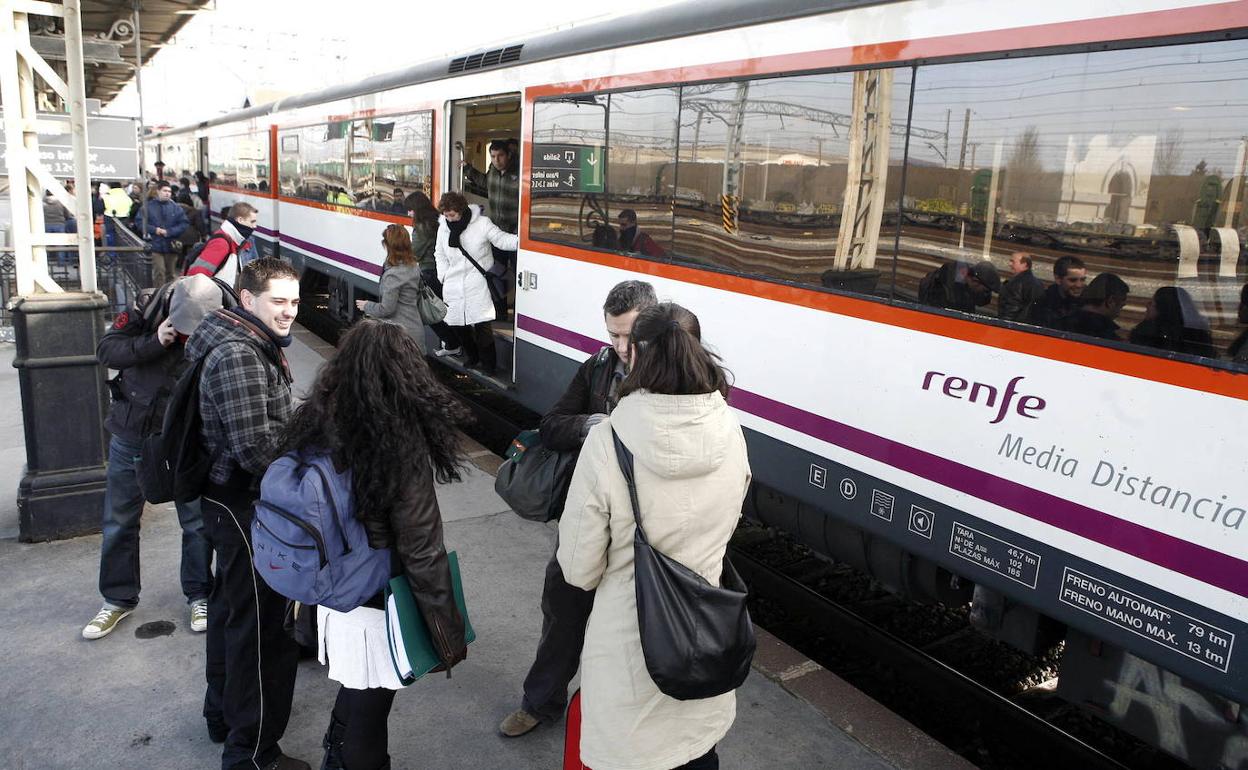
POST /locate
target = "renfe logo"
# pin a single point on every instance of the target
(953, 387)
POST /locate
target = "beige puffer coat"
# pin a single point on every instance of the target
(692, 473)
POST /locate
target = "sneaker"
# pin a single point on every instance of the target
(105, 621)
(443, 351)
(199, 616)
(518, 723)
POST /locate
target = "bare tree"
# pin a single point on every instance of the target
(1169, 154)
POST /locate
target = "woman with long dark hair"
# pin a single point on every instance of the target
(399, 285)
(382, 415)
(424, 241)
(691, 473)
(1173, 322)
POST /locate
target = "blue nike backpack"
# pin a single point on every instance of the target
(307, 543)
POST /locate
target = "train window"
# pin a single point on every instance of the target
(763, 171)
(402, 148)
(1131, 162)
(641, 173)
(566, 188)
(240, 161)
(313, 162)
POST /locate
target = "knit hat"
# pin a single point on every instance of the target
(194, 297)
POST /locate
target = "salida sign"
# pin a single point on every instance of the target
(567, 168)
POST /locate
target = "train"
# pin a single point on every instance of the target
(804, 167)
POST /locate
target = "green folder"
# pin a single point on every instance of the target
(416, 656)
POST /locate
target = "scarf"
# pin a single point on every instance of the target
(243, 231)
(281, 342)
(457, 228)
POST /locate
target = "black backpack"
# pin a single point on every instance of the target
(174, 462)
(192, 256)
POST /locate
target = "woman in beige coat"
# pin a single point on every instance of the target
(691, 474)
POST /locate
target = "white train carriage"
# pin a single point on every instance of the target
(802, 168)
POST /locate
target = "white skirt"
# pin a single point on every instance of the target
(354, 645)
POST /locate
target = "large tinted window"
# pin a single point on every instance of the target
(372, 163)
(240, 161)
(1126, 160)
(1122, 171)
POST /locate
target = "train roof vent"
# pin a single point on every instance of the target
(493, 58)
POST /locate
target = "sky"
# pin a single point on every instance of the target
(261, 50)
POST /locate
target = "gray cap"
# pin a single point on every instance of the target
(194, 297)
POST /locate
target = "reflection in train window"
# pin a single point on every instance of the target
(641, 174)
(240, 161)
(764, 177)
(402, 149)
(1130, 161)
(389, 158)
(565, 204)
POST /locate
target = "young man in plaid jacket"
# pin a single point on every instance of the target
(245, 401)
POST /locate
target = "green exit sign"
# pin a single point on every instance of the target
(567, 168)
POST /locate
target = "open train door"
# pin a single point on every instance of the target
(474, 124)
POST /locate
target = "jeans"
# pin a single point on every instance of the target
(251, 660)
(565, 611)
(119, 552)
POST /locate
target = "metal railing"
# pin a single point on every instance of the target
(123, 269)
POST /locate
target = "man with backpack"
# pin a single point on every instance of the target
(588, 400)
(244, 403)
(219, 255)
(146, 343)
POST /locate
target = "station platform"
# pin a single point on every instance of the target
(133, 699)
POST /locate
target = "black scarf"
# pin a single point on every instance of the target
(457, 228)
(281, 342)
(243, 230)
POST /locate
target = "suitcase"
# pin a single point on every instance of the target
(572, 735)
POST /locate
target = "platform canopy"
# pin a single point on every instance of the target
(108, 32)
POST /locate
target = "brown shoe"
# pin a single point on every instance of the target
(518, 723)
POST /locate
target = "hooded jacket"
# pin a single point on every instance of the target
(692, 474)
(244, 394)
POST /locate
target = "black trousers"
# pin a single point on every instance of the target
(565, 611)
(251, 661)
(708, 761)
(366, 736)
(478, 342)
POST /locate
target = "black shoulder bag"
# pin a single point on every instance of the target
(497, 293)
(697, 638)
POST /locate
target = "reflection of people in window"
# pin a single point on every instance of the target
(1070, 276)
(1238, 351)
(1172, 322)
(1023, 288)
(960, 286)
(634, 239)
(263, 186)
(396, 203)
(1099, 304)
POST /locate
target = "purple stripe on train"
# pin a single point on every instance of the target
(1195, 561)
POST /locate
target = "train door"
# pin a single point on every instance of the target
(203, 154)
(476, 125)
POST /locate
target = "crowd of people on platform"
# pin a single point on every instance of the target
(382, 416)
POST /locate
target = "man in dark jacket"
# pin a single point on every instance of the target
(244, 402)
(960, 286)
(1099, 304)
(590, 397)
(633, 239)
(163, 225)
(502, 185)
(146, 344)
(1061, 299)
(1023, 289)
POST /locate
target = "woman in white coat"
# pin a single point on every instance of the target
(691, 473)
(469, 304)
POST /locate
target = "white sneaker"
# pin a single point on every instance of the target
(443, 351)
(105, 621)
(199, 616)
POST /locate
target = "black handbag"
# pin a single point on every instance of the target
(496, 285)
(697, 638)
(534, 480)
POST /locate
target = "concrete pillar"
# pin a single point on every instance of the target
(64, 402)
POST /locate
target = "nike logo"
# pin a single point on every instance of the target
(274, 566)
